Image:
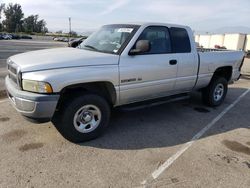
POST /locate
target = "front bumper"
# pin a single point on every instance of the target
(31, 105)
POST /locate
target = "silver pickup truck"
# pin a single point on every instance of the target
(76, 88)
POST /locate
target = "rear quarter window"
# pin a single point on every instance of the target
(180, 40)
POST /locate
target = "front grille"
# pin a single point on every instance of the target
(13, 72)
(12, 69)
(13, 78)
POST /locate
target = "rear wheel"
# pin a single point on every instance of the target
(83, 118)
(215, 93)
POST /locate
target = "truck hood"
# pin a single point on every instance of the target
(61, 58)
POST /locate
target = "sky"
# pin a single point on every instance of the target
(88, 15)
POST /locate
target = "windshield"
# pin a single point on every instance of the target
(109, 39)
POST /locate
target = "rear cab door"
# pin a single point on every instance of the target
(184, 49)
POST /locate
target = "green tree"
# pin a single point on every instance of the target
(29, 23)
(41, 26)
(32, 24)
(73, 34)
(1, 10)
(13, 18)
(59, 32)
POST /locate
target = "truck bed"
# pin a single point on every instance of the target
(211, 59)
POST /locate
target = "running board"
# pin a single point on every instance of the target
(154, 102)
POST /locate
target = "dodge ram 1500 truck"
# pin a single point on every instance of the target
(76, 88)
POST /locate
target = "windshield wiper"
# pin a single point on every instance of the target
(91, 47)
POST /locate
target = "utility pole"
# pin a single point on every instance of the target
(69, 28)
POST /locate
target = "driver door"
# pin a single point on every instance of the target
(151, 74)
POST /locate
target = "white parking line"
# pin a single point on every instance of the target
(174, 157)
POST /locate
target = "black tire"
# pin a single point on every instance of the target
(208, 92)
(64, 119)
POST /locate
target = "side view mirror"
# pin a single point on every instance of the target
(75, 43)
(141, 46)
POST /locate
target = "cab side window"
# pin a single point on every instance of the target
(159, 39)
(180, 40)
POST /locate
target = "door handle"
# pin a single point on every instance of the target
(173, 62)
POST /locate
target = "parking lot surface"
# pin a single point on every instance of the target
(12, 47)
(136, 144)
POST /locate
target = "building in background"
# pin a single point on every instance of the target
(204, 41)
(197, 38)
(216, 40)
(235, 41)
(247, 44)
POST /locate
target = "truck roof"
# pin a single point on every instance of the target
(154, 23)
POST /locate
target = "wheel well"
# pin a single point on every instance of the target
(104, 89)
(225, 72)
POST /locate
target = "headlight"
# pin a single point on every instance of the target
(36, 86)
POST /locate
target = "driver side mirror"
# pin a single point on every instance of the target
(141, 46)
(74, 44)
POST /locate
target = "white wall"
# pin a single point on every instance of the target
(230, 41)
(205, 40)
(197, 38)
(216, 40)
(234, 41)
(247, 47)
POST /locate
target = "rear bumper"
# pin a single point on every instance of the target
(31, 105)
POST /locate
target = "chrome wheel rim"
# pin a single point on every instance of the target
(218, 92)
(87, 118)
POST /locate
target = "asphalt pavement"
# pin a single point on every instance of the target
(181, 144)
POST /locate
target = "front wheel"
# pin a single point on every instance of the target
(215, 93)
(84, 118)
